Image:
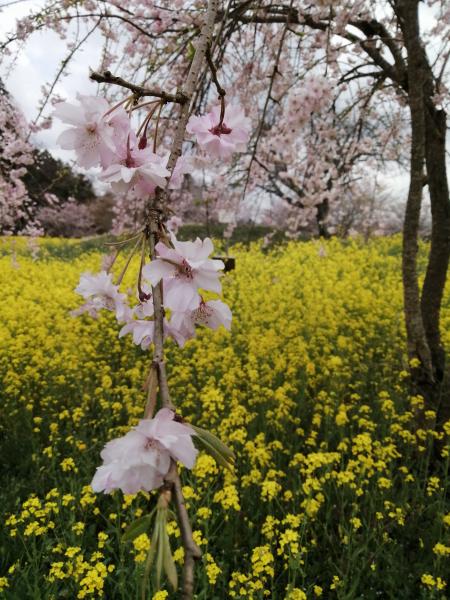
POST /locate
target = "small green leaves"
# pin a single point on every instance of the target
(223, 455)
(138, 527)
(160, 552)
(164, 558)
(168, 562)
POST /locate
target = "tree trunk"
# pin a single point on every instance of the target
(438, 261)
(418, 348)
(322, 213)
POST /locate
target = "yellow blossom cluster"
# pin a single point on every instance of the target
(340, 488)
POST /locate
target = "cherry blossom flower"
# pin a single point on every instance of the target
(141, 459)
(184, 269)
(93, 136)
(142, 327)
(221, 140)
(142, 331)
(212, 314)
(100, 293)
(140, 171)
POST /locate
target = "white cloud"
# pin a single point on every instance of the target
(37, 64)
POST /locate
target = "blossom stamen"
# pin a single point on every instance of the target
(184, 269)
(220, 129)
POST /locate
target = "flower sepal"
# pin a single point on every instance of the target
(138, 527)
(222, 454)
(160, 551)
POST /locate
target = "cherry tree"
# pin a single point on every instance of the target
(296, 100)
(35, 188)
(15, 156)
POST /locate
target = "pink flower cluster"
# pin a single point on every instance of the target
(312, 97)
(185, 269)
(221, 140)
(141, 459)
(103, 136)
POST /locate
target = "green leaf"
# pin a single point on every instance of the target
(169, 564)
(149, 561)
(137, 528)
(171, 515)
(215, 442)
(190, 51)
(219, 458)
(161, 525)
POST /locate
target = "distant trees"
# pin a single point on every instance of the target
(35, 187)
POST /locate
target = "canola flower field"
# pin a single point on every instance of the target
(332, 496)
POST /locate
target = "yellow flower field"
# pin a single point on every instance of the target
(336, 492)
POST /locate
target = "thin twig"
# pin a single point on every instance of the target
(220, 91)
(192, 552)
(138, 90)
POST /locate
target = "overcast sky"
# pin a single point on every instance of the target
(37, 64)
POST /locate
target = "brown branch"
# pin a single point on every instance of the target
(416, 338)
(375, 28)
(192, 79)
(266, 104)
(220, 91)
(138, 90)
(192, 552)
(153, 227)
(153, 230)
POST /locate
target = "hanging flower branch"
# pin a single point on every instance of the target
(170, 287)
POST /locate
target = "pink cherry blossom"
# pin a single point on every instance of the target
(93, 136)
(184, 269)
(141, 459)
(212, 314)
(142, 327)
(100, 293)
(142, 331)
(140, 171)
(221, 140)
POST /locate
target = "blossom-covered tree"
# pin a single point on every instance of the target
(35, 187)
(326, 87)
(15, 156)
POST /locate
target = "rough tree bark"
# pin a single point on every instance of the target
(438, 261)
(322, 212)
(416, 338)
(422, 312)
